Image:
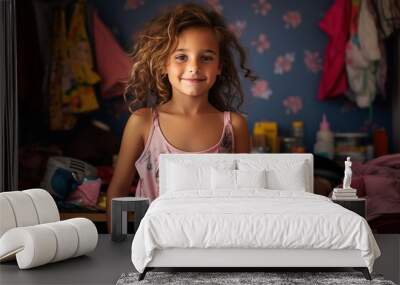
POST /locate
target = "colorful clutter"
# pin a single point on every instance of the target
(86, 194)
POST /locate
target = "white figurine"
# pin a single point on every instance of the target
(347, 174)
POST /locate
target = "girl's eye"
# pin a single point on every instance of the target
(207, 58)
(181, 57)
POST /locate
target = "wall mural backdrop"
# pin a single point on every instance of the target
(285, 47)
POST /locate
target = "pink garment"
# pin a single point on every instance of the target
(87, 194)
(147, 163)
(336, 24)
(380, 183)
(113, 64)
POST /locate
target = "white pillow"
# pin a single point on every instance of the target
(251, 178)
(187, 175)
(182, 178)
(277, 180)
(223, 179)
(237, 179)
(282, 174)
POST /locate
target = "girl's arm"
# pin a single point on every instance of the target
(132, 145)
(241, 133)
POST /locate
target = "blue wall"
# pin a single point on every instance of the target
(280, 36)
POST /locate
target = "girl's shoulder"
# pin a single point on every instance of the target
(140, 121)
(238, 120)
(241, 133)
(143, 112)
(141, 116)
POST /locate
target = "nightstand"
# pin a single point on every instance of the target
(119, 208)
(355, 205)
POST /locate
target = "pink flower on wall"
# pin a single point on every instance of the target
(292, 19)
(284, 63)
(133, 4)
(293, 104)
(215, 5)
(237, 28)
(262, 43)
(261, 89)
(262, 7)
(313, 61)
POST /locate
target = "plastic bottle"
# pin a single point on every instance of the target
(324, 145)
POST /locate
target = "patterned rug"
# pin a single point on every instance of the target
(243, 278)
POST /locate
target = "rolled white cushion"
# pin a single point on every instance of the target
(41, 244)
(46, 208)
(33, 245)
(7, 218)
(23, 208)
(87, 235)
(66, 238)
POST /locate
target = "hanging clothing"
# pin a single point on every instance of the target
(147, 163)
(336, 24)
(79, 77)
(113, 64)
(388, 16)
(362, 55)
(58, 120)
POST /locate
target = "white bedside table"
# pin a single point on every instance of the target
(355, 205)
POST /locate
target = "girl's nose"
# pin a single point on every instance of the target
(193, 67)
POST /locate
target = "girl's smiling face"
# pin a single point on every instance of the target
(193, 66)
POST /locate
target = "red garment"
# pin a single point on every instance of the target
(113, 64)
(336, 24)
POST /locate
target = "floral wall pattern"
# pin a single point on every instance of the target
(285, 49)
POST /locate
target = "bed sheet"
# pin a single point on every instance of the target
(251, 218)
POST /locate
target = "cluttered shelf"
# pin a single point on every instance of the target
(94, 216)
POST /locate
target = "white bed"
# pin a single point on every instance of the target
(203, 220)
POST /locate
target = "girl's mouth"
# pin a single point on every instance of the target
(193, 80)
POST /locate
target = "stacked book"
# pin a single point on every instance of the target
(344, 194)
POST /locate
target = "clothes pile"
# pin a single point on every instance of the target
(379, 181)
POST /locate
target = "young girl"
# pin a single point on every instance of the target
(183, 65)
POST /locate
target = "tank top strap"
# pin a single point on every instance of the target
(154, 116)
(227, 118)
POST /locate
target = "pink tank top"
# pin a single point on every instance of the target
(147, 163)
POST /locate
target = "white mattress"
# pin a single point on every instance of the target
(253, 218)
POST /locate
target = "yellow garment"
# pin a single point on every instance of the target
(58, 120)
(79, 95)
(102, 201)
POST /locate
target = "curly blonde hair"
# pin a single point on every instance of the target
(148, 84)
